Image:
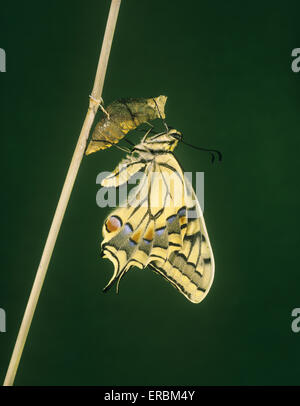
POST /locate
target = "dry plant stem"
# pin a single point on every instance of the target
(65, 194)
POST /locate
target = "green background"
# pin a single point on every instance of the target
(226, 69)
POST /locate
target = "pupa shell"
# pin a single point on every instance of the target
(125, 115)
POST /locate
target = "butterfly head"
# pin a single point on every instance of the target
(166, 141)
(174, 134)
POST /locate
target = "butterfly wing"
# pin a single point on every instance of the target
(191, 269)
(151, 223)
(161, 225)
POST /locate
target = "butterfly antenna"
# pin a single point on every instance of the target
(211, 151)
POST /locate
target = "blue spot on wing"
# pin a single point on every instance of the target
(171, 219)
(160, 231)
(132, 243)
(127, 228)
(181, 212)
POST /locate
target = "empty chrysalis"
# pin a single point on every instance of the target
(122, 116)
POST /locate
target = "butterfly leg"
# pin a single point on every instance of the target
(146, 135)
(127, 150)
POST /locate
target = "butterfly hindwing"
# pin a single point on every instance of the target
(191, 270)
(141, 231)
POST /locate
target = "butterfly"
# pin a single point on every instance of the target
(160, 224)
(122, 116)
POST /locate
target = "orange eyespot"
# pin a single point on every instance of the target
(113, 224)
